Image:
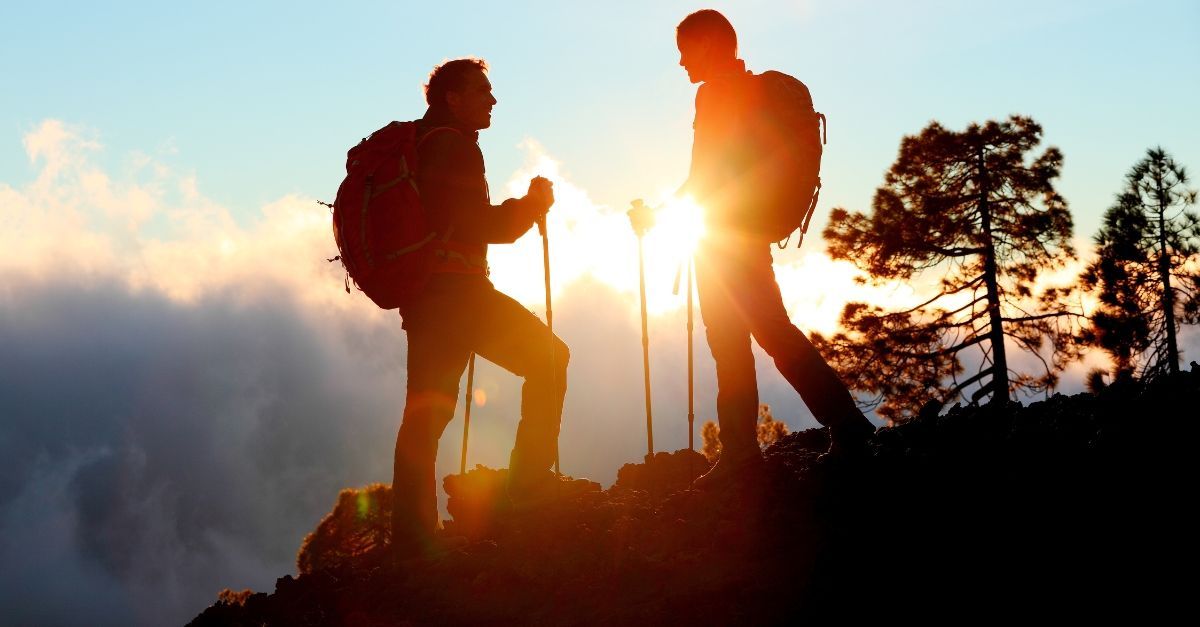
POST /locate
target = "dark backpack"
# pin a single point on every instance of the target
(382, 235)
(787, 171)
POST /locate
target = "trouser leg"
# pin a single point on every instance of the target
(729, 340)
(795, 356)
(435, 365)
(739, 298)
(455, 316)
(508, 335)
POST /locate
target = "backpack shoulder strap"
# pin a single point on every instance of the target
(434, 131)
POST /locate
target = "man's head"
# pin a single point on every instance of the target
(462, 87)
(706, 43)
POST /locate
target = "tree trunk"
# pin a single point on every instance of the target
(999, 382)
(1164, 274)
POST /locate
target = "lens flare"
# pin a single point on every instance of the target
(363, 504)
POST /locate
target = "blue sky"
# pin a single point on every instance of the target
(187, 387)
(262, 99)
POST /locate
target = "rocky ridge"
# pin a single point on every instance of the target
(1071, 507)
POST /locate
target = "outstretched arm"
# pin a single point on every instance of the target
(455, 195)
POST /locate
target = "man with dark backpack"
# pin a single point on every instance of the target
(426, 254)
(755, 165)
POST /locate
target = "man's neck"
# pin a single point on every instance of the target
(436, 116)
(730, 68)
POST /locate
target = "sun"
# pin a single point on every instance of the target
(589, 241)
(679, 226)
(670, 246)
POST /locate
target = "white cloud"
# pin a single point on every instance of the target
(160, 232)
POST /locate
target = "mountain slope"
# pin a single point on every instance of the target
(1071, 507)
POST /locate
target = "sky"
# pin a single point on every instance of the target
(187, 386)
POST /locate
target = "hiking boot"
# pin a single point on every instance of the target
(544, 488)
(730, 469)
(848, 441)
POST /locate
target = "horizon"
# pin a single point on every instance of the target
(188, 384)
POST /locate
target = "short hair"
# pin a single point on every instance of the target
(711, 25)
(450, 76)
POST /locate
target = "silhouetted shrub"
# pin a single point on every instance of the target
(230, 597)
(359, 524)
(710, 433)
(769, 431)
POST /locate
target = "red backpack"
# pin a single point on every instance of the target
(382, 235)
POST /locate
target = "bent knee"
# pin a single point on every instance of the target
(557, 365)
(552, 366)
(562, 354)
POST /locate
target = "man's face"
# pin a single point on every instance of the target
(472, 104)
(694, 57)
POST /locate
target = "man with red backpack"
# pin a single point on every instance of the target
(457, 311)
(755, 165)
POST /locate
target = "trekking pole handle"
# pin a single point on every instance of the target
(641, 217)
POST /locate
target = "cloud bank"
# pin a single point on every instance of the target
(184, 392)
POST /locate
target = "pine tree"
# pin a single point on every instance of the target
(975, 210)
(1146, 274)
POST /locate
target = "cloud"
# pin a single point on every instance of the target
(43, 580)
(184, 392)
(197, 442)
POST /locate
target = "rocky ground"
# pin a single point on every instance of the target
(1071, 508)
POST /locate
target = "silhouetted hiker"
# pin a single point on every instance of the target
(739, 296)
(458, 311)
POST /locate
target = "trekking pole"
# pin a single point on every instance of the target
(691, 360)
(691, 417)
(541, 224)
(462, 467)
(642, 217)
(691, 366)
